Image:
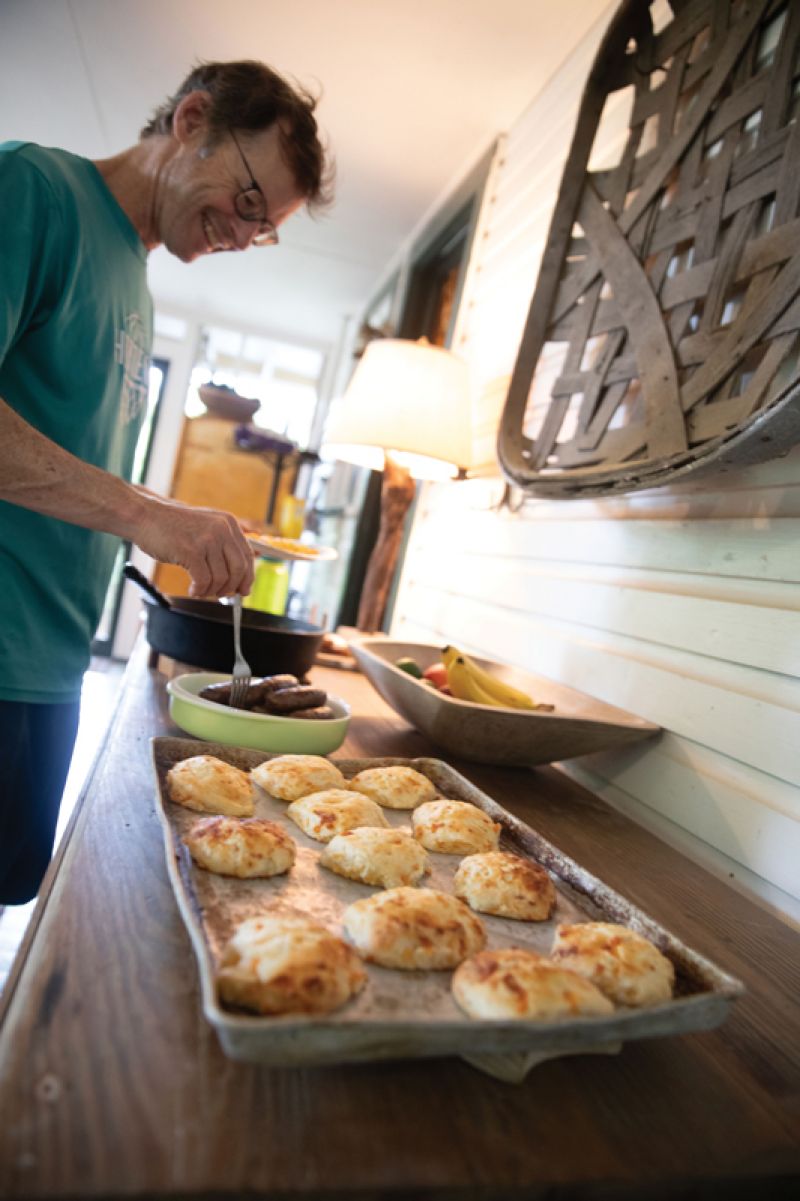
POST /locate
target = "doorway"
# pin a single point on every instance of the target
(103, 640)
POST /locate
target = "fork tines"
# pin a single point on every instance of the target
(239, 688)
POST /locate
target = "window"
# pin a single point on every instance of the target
(283, 376)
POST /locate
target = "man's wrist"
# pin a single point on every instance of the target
(131, 510)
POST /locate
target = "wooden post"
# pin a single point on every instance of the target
(397, 493)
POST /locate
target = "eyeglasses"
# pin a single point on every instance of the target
(251, 205)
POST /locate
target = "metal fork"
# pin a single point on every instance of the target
(241, 668)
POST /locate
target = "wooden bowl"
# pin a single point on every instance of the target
(224, 402)
(578, 725)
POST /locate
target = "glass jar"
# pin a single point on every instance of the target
(291, 517)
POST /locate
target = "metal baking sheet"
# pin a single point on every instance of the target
(412, 1014)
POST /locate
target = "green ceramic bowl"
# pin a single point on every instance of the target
(236, 727)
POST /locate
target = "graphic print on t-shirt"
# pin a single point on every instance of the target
(131, 353)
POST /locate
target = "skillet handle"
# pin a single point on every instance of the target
(132, 573)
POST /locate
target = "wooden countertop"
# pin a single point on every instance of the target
(112, 1084)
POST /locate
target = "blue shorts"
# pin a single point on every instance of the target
(36, 744)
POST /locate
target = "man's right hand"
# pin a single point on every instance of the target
(208, 543)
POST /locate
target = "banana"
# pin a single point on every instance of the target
(503, 693)
(449, 653)
(494, 691)
(463, 685)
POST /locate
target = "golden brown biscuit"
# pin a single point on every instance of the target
(322, 815)
(416, 929)
(621, 963)
(455, 828)
(240, 846)
(292, 776)
(506, 886)
(211, 786)
(515, 983)
(287, 963)
(397, 787)
(386, 858)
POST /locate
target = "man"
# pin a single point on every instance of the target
(219, 166)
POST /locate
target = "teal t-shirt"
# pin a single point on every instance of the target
(75, 336)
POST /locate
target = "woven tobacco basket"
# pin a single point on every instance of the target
(667, 307)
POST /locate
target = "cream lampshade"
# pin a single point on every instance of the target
(407, 412)
(411, 399)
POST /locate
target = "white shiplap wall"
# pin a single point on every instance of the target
(680, 604)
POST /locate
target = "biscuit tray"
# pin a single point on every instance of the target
(399, 1014)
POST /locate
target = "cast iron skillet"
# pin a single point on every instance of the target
(198, 633)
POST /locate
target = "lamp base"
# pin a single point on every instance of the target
(397, 493)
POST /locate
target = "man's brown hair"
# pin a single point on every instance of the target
(249, 95)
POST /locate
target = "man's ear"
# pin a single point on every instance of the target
(190, 119)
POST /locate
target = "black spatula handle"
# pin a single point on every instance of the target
(132, 573)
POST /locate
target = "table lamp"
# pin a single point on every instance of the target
(406, 411)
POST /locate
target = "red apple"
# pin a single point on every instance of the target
(437, 674)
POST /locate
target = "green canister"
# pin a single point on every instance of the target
(270, 590)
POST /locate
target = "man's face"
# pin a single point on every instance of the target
(196, 212)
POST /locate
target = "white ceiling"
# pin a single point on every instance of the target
(413, 93)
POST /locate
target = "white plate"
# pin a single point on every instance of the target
(275, 547)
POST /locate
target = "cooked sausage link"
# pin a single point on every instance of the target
(321, 713)
(257, 691)
(260, 689)
(288, 700)
(219, 693)
(274, 683)
(254, 695)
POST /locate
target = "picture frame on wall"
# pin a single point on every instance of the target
(380, 318)
(438, 260)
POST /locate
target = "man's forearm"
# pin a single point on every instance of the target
(38, 474)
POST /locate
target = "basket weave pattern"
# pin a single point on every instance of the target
(666, 316)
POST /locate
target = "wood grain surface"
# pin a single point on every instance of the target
(113, 1085)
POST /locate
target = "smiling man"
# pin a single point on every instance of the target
(219, 167)
(222, 163)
